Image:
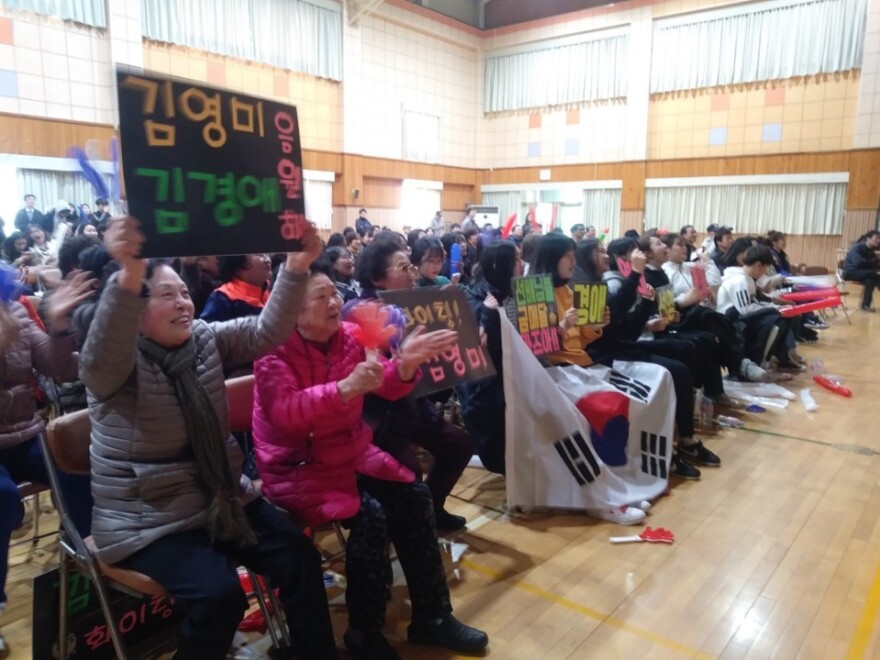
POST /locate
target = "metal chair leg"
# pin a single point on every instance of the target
(280, 616)
(36, 538)
(261, 599)
(104, 600)
(63, 597)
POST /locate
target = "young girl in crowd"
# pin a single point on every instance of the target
(342, 271)
(554, 256)
(482, 402)
(428, 256)
(317, 459)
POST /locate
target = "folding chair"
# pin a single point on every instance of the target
(65, 446)
(240, 401)
(240, 397)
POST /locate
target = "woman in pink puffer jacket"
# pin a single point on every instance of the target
(317, 460)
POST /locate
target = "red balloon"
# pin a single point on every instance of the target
(815, 294)
(797, 310)
(831, 386)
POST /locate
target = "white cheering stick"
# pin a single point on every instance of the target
(650, 535)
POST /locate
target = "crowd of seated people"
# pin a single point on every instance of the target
(336, 432)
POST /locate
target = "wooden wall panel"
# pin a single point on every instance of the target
(45, 137)
(814, 250)
(382, 193)
(863, 191)
(632, 220)
(455, 196)
(856, 222)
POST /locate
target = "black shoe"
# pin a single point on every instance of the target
(369, 646)
(683, 469)
(698, 453)
(449, 522)
(867, 308)
(450, 633)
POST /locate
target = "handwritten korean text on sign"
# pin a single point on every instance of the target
(589, 300)
(209, 171)
(444, 309)
(666, 303)
(537, 319)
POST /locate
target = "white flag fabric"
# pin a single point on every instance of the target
(584, 438)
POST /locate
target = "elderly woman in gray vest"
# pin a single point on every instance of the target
(170, 501)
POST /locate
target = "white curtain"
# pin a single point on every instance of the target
(814, 208)
(52, 186)
(418, 202)
(319, 202)
(587, 71)
(289, 34)
(421, 136)
(87, 12)
(507, 202)
(763, 41)
(602, 210)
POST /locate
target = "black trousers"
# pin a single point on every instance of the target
(451, 447)
(706, 362)
(730, 343)
(869, 278)
(403, 514)
(203, 580)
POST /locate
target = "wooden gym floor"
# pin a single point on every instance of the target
(777, 553)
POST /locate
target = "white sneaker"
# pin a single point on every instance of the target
(4, 650)
(752, 372)
(624, 515)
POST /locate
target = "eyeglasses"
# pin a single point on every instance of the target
(404, 268)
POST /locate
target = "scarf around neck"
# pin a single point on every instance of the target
(226, 517)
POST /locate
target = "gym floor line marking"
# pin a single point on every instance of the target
(523, 585)
(862, 637)
(852, 449)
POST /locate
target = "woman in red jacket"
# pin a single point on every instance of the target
(317, 460)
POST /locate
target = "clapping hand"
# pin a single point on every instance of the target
(420, 346)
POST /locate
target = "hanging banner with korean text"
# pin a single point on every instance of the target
(209, 171)
(149, 620)
(444, 309)
(590, 301)
(537, 318)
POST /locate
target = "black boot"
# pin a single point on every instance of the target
(450, 633)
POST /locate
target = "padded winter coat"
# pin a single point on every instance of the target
(309, 442)
(145, 481)
(52, 356)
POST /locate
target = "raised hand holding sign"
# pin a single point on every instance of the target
(208, 171)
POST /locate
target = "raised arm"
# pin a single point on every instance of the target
(244, 340)
(109, 353)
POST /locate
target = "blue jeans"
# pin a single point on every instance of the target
(24, 462)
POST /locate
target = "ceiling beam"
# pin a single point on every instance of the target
(358, 10)
(482, 17)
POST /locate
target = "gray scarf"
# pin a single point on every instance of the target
(226, 517)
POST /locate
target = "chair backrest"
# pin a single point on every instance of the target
(68, 438)
(815, 270)
(240, 397)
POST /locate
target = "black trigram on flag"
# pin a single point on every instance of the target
(654, 454)
(578, 458)
(630, 386)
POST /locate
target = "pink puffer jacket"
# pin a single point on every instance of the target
(310, 443)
